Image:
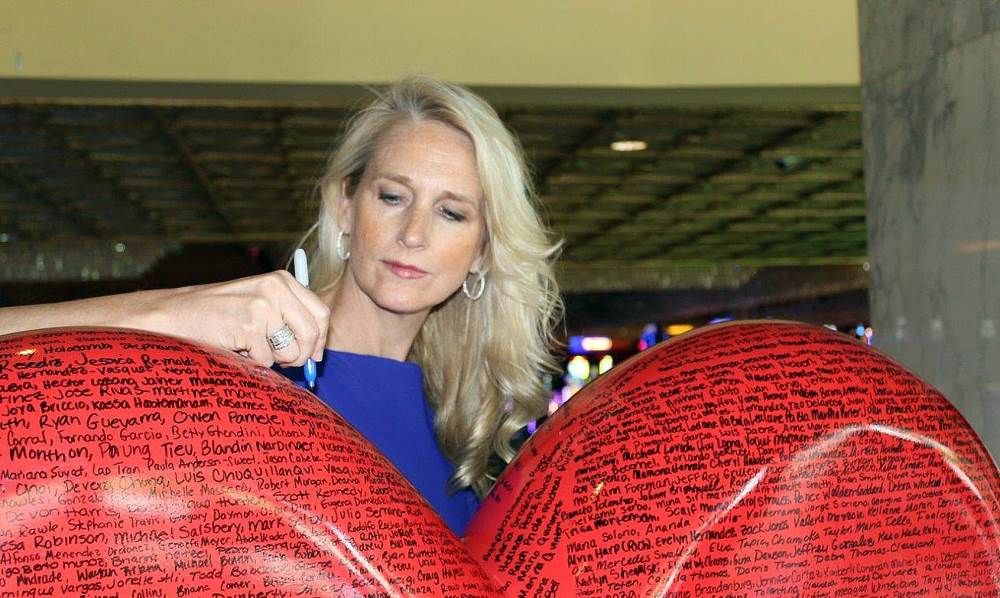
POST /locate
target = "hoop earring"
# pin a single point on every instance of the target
(343, 255)
(478, 287)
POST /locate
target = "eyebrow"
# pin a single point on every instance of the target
(405, 180)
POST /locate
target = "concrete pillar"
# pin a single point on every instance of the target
(930, 74)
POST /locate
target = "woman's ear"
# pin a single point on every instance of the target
(345, 213)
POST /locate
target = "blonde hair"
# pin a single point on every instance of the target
(483, 360)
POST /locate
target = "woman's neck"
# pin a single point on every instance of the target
(358, 325)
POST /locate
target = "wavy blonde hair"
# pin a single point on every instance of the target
(483, 361)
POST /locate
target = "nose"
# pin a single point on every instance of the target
(413, 234)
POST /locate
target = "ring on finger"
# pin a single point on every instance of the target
(281, 338)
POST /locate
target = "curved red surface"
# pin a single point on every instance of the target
(754, 459)
(138, 465)
(750, 459)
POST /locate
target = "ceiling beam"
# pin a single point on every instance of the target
(605, 125)
(168, 129)
(816, 120)
(81, 157)
(682, 140)
(38, 190)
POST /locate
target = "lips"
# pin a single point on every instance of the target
(405, 270)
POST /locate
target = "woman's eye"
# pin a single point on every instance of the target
(389, 198)
(453, 215)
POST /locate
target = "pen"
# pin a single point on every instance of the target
(301, 269)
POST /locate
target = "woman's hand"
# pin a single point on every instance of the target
(238, 315)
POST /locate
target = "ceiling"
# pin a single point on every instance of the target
(722, 194)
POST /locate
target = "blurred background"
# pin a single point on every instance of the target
(703, 161)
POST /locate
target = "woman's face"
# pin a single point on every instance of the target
(416, 218)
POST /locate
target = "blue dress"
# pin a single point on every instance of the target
(384, 400)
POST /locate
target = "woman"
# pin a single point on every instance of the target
(427, 248)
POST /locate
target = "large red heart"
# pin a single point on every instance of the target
(139, 465)
(737, 461)
(752, 459)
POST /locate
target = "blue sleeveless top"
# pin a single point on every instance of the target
(384, 400)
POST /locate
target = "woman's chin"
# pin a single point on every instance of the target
(408, 301)
(404, 305)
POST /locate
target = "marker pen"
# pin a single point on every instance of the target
(301, 269)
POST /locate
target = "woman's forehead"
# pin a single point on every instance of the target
(425, 132)
(428, 152)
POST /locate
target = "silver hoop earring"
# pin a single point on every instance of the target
(343, 255)
(478, 287)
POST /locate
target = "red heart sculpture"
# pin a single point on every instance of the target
(749, 459)
(139, 465)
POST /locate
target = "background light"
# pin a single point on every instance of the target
(589, 344)
(675, 329)
(579, 368)
(629, 145)
(607, 362)
(596, 343)
(572, 385)
(648, 336)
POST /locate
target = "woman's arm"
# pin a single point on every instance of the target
(237, 315)
(129, 310)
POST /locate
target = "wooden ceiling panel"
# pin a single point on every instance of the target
(715, 185)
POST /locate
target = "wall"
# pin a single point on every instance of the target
(580, 43)
(931, 108)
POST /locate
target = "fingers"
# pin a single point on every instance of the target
(304, 327)
(284, 345)
(263, 319)
(241, 315)
(290, 304)
(319, 317)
